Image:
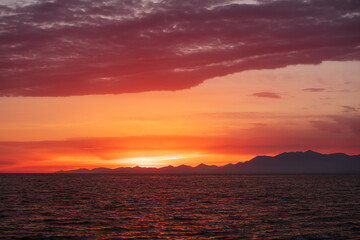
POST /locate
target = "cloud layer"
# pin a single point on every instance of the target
(74, 47)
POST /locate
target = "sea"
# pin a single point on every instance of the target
(111, 206)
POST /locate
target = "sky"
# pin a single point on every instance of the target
(151, 83)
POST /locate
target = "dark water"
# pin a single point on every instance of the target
(75, 206)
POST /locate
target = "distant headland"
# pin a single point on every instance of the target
(285, 163)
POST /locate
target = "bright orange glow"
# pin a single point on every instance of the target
(156, 161)
(218, 122)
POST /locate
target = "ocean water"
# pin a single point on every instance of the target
(96, 206)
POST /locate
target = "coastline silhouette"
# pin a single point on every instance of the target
(284, 163)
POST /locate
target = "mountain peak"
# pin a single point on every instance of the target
(202, 165)
(312, 152)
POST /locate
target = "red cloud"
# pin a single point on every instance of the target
(65, 48)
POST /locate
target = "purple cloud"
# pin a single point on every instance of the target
(73, 47)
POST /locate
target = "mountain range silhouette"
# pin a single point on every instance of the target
(284, 163)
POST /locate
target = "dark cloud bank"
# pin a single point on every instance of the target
(74, 47)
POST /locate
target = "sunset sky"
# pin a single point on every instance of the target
(152, 83)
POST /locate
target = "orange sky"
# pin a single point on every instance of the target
(217, 122)
(150, 83)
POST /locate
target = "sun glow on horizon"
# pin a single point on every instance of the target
(155, 161)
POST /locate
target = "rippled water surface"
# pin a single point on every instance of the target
(91, 206)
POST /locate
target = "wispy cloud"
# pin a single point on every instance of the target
(339, 124)
(266, 95)
(348, 109)
(314, 89)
